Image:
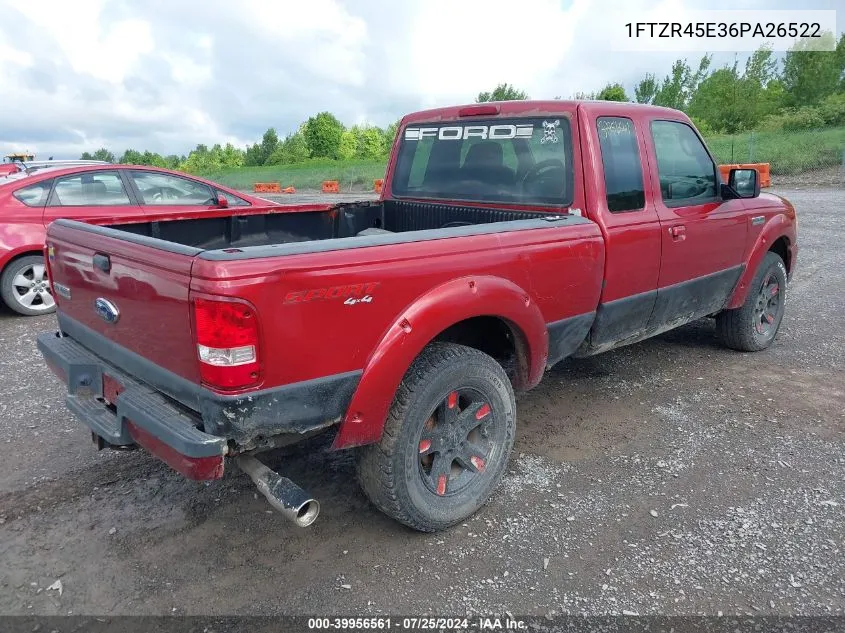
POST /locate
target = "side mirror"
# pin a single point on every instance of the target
(222, 202)
(745, 182)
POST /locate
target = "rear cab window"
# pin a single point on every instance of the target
(517, 160)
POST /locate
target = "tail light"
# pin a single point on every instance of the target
(227, 343)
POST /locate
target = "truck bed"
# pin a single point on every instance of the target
(283, 226)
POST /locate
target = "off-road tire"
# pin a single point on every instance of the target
(738, 328)
(390, 471)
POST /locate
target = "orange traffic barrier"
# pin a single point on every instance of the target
(378, 183)
(289, 190)
(331, 186)
(725, 171)
(763, 172)
(266, 187)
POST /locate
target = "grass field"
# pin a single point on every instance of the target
(788, 153)
(352, 175)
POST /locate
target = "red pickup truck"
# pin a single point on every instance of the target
(508, 237)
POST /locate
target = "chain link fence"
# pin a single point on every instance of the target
(804, 157)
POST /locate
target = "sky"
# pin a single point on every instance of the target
(165, 75)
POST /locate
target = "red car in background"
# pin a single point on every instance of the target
(99, 194)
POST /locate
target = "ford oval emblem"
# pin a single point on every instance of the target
(107, 311)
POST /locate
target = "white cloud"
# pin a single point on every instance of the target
(78, 31)
(165, 75)
(458, 48)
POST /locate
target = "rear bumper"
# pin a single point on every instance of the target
(138, 414)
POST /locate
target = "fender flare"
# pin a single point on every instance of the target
(421, 322)
(777, 227)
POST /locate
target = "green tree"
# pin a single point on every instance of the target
(678, 87)
(646, 90)
(269, 144)
(390, 136)
(253, 155)
(323, 133)
(152, 159)
(131, 157)
(730, 102)
(348, 145)
(203, 159)
(718, 101)
(100, 154)
(502, 92)
(294, 149)
(231, 156)
(612, 92)
(371, 143)
(811, 75)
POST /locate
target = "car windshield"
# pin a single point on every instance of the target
(519, 160)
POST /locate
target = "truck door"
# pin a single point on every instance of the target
(631, 230)
(702, 236)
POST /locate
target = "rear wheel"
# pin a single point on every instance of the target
(446, 442)
(25, 288)
(754, 325)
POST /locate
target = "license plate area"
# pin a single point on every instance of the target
(111, 389)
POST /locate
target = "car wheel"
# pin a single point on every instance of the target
(754, 325)
(446, 442)
(25, 288)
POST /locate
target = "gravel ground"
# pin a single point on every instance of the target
(671, 477)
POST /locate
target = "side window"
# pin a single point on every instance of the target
(90, 189)
(687, 173)
(620, 157)
(159, 189)
(34, 195)
(233, 200)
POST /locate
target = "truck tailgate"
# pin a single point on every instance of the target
(125, 291)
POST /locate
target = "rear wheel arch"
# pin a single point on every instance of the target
(447, 313)
(499, 338)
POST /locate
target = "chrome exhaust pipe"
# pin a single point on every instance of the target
(292, 501)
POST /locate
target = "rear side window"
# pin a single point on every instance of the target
(623, 170)
(34, 195)
(687, 173)
(518, 160)
(90, 189)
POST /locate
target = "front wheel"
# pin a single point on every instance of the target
(446, 442)
(754, 325)
(25, 288)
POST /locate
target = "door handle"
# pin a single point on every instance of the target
(678, 232)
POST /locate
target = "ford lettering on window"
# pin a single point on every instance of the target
(461, 132)
(520, 160)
